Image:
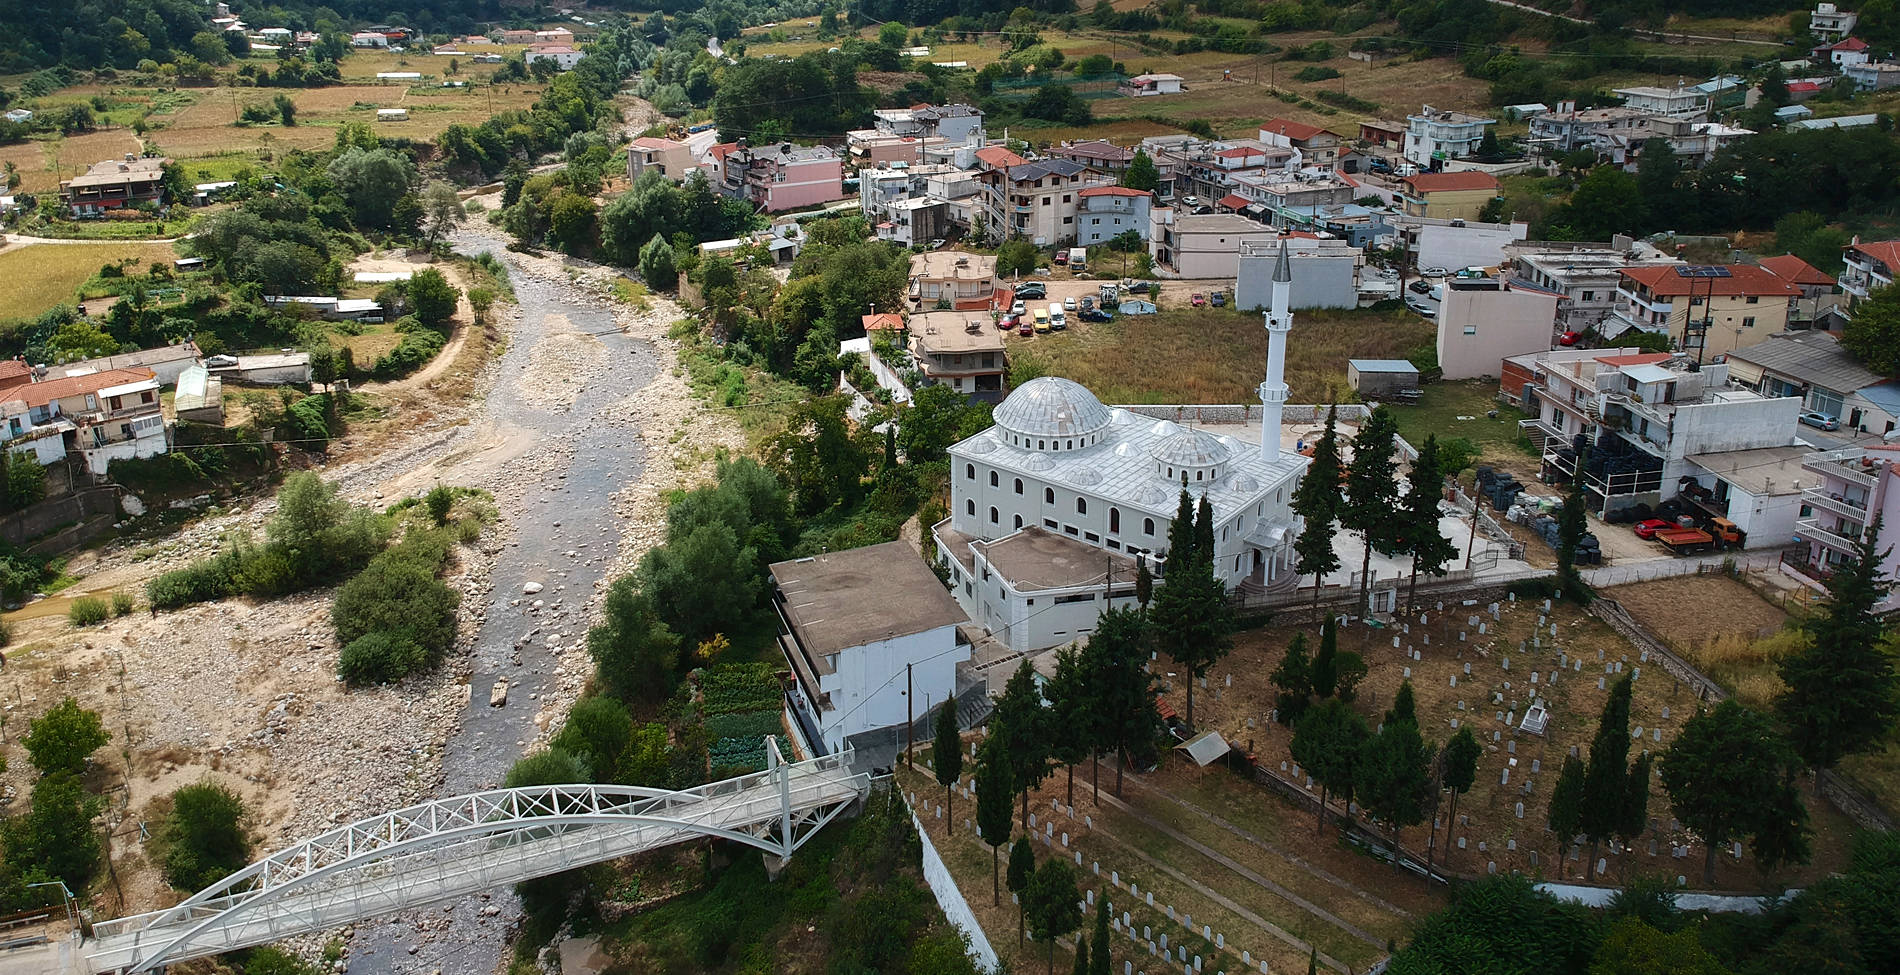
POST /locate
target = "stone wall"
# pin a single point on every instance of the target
(63, 518)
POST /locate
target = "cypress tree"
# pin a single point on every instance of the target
(1606, 777)
(1294, 679)
(994, 797)
(1326, 661)
(1842, 696)
(946, 755)
(1327, 743)
(1425, 487)
(1461, 770)
(1317, 502)
(1022, 866)
(1021, 725)
(1372, 493)
(1192, 620)
(1566, 808)
(1099, 961)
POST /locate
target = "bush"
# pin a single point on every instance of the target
(203, 838)
(439, 500)
(433, 297)
(308, 420)
(1315, 73)
(64, 737)
(412, 353)
(398, 594)
(214, 578)
(88, 611)
(123, 603)
(379, 658)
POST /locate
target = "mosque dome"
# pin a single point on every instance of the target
(1195, 455)
(1051, 413)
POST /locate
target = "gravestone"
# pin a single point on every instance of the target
(1510, 747)
(1454, 680)
(1537, 765)
(1511, 845)
(1520, 810)
(1467, 668)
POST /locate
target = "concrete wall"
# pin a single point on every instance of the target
(1318, 281)
(955, 908)
(1477, 330)
(867, 689)
(24, 527)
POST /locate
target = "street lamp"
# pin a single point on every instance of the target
(65, 893)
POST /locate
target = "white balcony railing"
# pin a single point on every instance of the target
(1853, 510)
(1811, 529)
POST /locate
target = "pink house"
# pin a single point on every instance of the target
(780, 177)
(1854, 486)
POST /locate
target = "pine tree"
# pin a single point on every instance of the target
(1566, 808)
(1632, 816)
(1606, 777)
(1317, 502)
(1425, 487)
(1020, 723)
(1141, 174)
(1204, 530)
(1081, 955)
(1326, 661)
(1071, 713)
(1727, 776)
(1404, 705)
(1144, 581)
(1099, 961)
(946, 755)
(995, 795)
(1192, 620)
(1125, 691)
(1461, 770)
(1372, 493)
(1326, 743)
(1022, 866)
(1842, 696)
(1393, 776)
(1294, 679)
(1051, 903)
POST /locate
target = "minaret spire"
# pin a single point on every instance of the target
(1279, 323)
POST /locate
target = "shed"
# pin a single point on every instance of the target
(1205, 747)
(1381, 377)
(391, 114)
(200, 397)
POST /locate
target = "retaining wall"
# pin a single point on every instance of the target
(950, 898)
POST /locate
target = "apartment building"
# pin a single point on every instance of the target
(1585, 278)
(1203, 245)
(1852, 487)
(673, 160)
(1706, 311)
(1869, 267)
(1278, 190)
(1448, 196)
(1103, 157)
(1830, 23)
(779, 177)
(98, 417)
(1435, 136)
(1678, 102)
(1105, 212)
(1319, 148)
(914, 205)
(1035, 200)
(959, 349)
(952, 280)
(1596, 129)
(1482, 321)
(1209, 170)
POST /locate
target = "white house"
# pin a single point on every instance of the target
(1830, 23)
(1434, 135)
(101, 416)
(369, 38)
(1677, 102)
(564, 56)
(1151, 84)
(861, 628)
(1052, 505)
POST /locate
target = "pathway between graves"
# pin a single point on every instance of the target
(1237, 868)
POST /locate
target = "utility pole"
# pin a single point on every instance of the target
(910, 723)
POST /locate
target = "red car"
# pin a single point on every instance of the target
(1198, 300)
(1569, 338)
(1026, 328)
(1648, 529)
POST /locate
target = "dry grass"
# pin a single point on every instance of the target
(1737, 647)
(44, 163)
(34, 279)
(1215, 356)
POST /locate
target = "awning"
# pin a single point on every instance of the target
(1234, 201)
(1205, 747)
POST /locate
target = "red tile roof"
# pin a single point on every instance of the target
(1802, 87)
(1743, 279)
(13, 372)
(1791, 268)
(1240, 152)
(1849, 44)
(998, 157)
(1292, 129)
(1451, 182)
(1112, 191)
(1234, 201)
(883, 322)
(42, 393)
(720, 151)
(1885, 251)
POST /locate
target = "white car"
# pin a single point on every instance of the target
(1068, 304)
(1018, 309)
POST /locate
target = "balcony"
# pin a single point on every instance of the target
(1846, 465)
(1818, 498)
(1811, 529)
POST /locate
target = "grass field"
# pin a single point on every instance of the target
(34, 279)
(1215, 356)
(1461, 409)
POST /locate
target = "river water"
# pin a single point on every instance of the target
(556, 496)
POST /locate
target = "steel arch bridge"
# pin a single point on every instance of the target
(450, 848)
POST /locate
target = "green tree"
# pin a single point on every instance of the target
(1325, 669)
(372, 181)
(1372, 493)
(1873, 334)
(1141, 173)
(1294, 681)
(1606, 776)
(64, 737)
(1017, 256)
(203, 837)
(1081, 955)
(1633, 812)
(1393, 775)
(1727, 779)
(1425, 488)
(1022, 868)
(1327, 744)
(1609, 201)
(1658, 182)
(819, 458)
(1318, 501)
(1809, 236)
(1193, 621)
(573, 222)
(1071, 713)
(1050, 903)
(398, 595)
(1635, 948)
(995, 799)
(635, 653)
(657, 267)
(1500, 925)
(1460, 770)
(597, 731)
(1021, 724)
(55, 837)
(891, 34)
(1566, 808)
(1100, 963)
(441, 210)
(1570, 531)
(432, 297)
(937, 417)
(550, 766)
(1123, 690)
(946, 755)
(1841, 694)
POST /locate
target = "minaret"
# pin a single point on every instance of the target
(1273, 391)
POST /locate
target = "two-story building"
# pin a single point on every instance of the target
(99, 417)
(1034, 200)
(1599, 130)
(1276, 193)
(952, 280)
(1326, 271)
(1584, 277)
(1318, 147)
(1210, 170)
(1817, 288)
(1706, 311)
(1103, 157)
(1830, 23)
(1435, 136)
(115, 185)
(1482, 321)
(671, 159)
(1105, 212)
(1448, 196)
(1842, 53)
(1813, 366)
(1869, 266)
(959, 349)
(1203, 245)
(779, 177)
(1677, 102)
(563, 56)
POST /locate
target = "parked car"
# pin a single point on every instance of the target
(1042, 321)
(1569, 338)
(1062, 256)
(1648, 529)
(1009, 322)
(1033, 289)
(1095, 315)
(1218, 299)
(1421, 286)
(1138, 287)
(1819, 420)
(936, 242)
(1198, 300)
(1379, 165)
(1068, 304)
(1087, 302)
(1025, 327)
(1019, 309)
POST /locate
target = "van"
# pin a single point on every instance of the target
(1058, 319)
(1042, 319)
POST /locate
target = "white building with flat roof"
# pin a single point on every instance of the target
(1435, 135)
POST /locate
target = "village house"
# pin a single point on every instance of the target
(517, 37)
(562, 56)
(1482, 321)
(367, 38)
(779, 177)
(1448, 196)
(99, 416)
(1583, 276)
(1211, 170)
(959, 349)
(555, 35)
(1873, 75)
(1705, 311)
(1272, 196)
(1841, 53)
(1105, 212)
(165, 362)
(332, 309)
(860, 629)
(1816, 285)
(1830, 23)
(1318, 147)
(1853, 487)
(1103, 157)
(673, 160)
(948, 279)
(1869, 267)
(1034, 200)
(1598, 129)
(1813, 366)
(1435, 136)
(115, 185)
(1451, 244)
(1143, 85)
(1677, 102)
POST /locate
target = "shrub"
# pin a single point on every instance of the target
(123, 603)
(64, 737)
(200, 582)
(412, 353)
(203, 838)
(439, 500)
(308, 421)
(378, 658)
(88, 611)
(398, 593)
(1315, 73)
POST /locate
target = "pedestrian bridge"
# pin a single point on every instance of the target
(447, 849)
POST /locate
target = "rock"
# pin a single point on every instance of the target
(531, 588)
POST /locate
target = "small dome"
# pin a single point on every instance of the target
(1084, 476)
(1243, 484)
(1049, 406)
(1126, 449)
(1154, 495)
(981, 445)
(1122, 417)
(1192, 449)
(1165, 428)
(1038, 462)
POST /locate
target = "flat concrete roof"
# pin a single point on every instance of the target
(859, 596)
(1763, 471)
(1036, 559)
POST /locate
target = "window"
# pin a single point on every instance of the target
(1095, 221)
(1748, 322)
(1114, 544)
(1754, 299)
(1114, 519)
(1081, 506)
(1070, 445)
(1068, 219)
(1092, 537)
(1049, 524)
(1066, 198)
(1019, 485)
(1589, 296)
(1042, 445)
(1048, 495)
(1071, 529)
(992, 479)
(1019, 521)
(995, 518)
(970, 506)
(969, 472)
(1471, 329)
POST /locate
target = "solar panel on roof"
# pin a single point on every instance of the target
(1703, 271)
